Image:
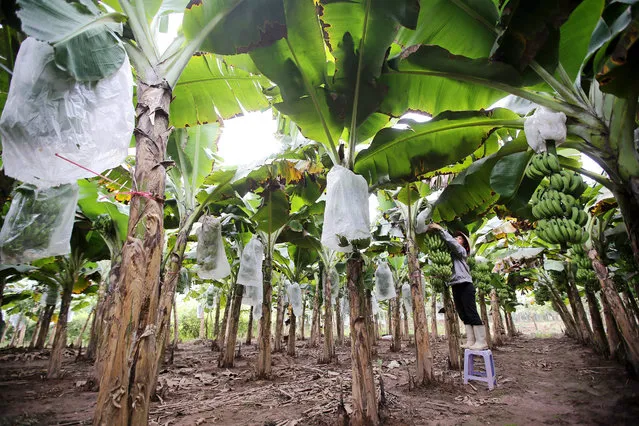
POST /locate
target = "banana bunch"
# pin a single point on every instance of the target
(439, 270)
(482, 276)
(568, 182)
(561, 231)
(184, 281)
(543, 165)
(432, 242)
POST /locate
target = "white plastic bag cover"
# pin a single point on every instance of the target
(374, 304)
(295, 298)
(253, 297)
(48, 112)
(200, 311)
(250, 273)
(346, 215)
(211, 256)
(407, 297)
(420, 223)
(384, 284)
(544, 124)
(38, 224)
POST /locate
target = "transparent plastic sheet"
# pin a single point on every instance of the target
(346, 217)
(250, 273)
(211, 256)
(295, 298)
(38, 224)
(407, 297)
(384, 284)
(545, 124)
(334, 285)
(48, 112)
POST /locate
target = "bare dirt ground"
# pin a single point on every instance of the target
(540, 381)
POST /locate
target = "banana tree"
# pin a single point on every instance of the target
(90, 44)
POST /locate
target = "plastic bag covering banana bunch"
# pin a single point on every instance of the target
(49, 297)
(545, 124)
(210, 294)
(38, 224)
(211, 257)
(346, 217)
(374, 304)
(200, 311)
(422, 217)
(253, 297)
(295, 298)
(346, 306)
(250, 273)
(384, 284)
(48, 112)
(334, 275)
(407, 297)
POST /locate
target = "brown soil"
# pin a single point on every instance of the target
(540, 381)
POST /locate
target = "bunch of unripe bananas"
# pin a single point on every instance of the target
(585, 275)
(481, 274)
(439, 270)
(560, 216)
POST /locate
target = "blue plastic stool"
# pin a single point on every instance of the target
(469, 368)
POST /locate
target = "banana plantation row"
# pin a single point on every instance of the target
(513, 110)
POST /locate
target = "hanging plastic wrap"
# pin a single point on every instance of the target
(211, 257)
(545, 124)
(384, 284)
(253, 297)
(200, 311)
(49, 297)
(407, 297)
(38, 224)
(48, 112)
(346, 217)
(422, 217)
(250, 273)
(374, 304)
(295, 298)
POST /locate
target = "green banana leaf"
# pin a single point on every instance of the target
(248, 25)
(84, 39)
(273, 213)
(209, 89)
(403, 155)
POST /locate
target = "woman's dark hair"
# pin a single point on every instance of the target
(466, 244)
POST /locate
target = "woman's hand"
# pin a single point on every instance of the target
(433, 227)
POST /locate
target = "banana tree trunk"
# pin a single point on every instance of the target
(423, 354)
(370, 322)
(36, 328)
(3, 324)
(279, 320)
(405, 321)
(628, 199)
(47, 314)
(622, 318)
(496, 317)
(578, 308)
(363, 384)
(599, 341)
(339, 322)
(176, 330)
(96, 324)
(452, 330)
(249, 329)
(315, 321)
(228, 350)
(396, 343)
(290, 350)
(78, 341)
(303, 319)
(484, 317)
(131, 366)
(615, 345)
(389, 318)
(510, 325)
(22, 334)
(220, 338)
(433, 309)
(60, 339)
(216, 323)
(329, 345)
(263, 365)
(631, 305)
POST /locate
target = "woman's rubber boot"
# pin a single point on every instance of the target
(480, 338)
(470, 337)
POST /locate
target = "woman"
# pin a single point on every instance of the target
(463, 289)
